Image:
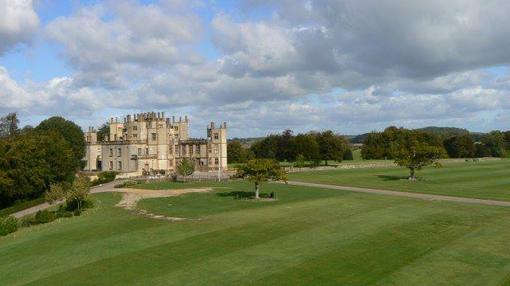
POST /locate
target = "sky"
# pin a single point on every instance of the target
(262, 66)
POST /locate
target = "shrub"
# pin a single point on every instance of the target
(8, 225)
(104, 177)
(44, 216)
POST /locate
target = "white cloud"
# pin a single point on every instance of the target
(18, 23)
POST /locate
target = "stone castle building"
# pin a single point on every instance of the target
(149, 143)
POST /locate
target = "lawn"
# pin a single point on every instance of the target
(308, 237)
(486, 179)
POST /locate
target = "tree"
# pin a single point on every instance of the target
(507, 140)
(103, 132)
(307, 146)
(30, 163)
(331, 146)
(77, 195)
(237, 153)
(185, 168)
(266, 148)
(461, 146)
(300, 161)
(261, 170)
(495, 142)
(71, 132)
(56, 193)
(415, 152)
(9, 125)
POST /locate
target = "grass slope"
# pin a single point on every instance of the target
(486, 180)
(307, 237)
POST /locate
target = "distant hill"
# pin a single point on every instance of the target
(444, 132)
(246, 142)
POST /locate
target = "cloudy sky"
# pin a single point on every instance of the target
(262, 66)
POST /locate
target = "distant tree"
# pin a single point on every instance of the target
(266, 148)
(103, 132)
(461, 146)
(348, 155)
(9, 125)
(300, 161)
(414, 153)
(482, 151)
(236, 153)
(261, 170)
(285, 146)
(373, 147)
(331, 146)
(507, 139)
(495, 142)
(185, 168)
(307, 146)
(71, 132)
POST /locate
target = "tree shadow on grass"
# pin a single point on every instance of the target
(392, 178)
(239, 195)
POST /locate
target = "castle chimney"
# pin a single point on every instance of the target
(173, 119)
(185, 118)
(163, 114)
(212, 125)
(225, 125)
(180, 118)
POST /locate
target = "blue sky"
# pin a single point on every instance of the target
(262, 66)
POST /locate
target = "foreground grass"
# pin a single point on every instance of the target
(307, 237)
(486, 180)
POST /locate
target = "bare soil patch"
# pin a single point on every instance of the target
(130, 198)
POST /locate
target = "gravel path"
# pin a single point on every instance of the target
(421, 196)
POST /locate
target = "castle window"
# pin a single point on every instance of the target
(139, 151)
(135, 127)
(216, 136)
(146, 151)
(135, 135)
(153, 135)
(216, 161)
(119, 153)
(119, 165)
(111, 152)
(111, 165)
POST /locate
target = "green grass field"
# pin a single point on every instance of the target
(308, 237)
(486, 180)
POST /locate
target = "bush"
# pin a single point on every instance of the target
(44, 216)
(8, 225)
(104, 177)
(71, 206)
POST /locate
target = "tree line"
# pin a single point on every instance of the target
(385, 145)
(313, 147)
(33, 159)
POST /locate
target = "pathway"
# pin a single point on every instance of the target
(420, 196)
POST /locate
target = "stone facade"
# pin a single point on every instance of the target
(149, 143)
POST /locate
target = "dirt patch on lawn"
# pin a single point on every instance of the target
(130, 198)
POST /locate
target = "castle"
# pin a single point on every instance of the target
(149, 143)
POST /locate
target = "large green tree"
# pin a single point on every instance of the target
(261, 170)
(415, 150)
(30, 162)
(71, 132)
